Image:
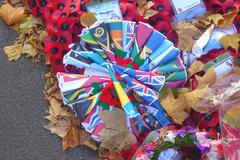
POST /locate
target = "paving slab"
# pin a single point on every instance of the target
(22, 110)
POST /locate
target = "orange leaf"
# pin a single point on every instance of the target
(77, 136)
(144, 9)
(14, 51)
(187, 34)
(228, 19)
(196, 67)
(230, 41)
(175, 108)
(72, 138)
(87, 19)
(59, 126)
(215, 19)
(11, 15)
(209, 78)
(115, 136)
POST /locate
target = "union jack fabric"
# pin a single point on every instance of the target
(128, 35)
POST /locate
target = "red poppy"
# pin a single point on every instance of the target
(205, 121)
(107, 96)
(164, 7)
(60, 4)
(237, 22)
(127, 154)
(52, 48)
(158, 18)
(61, 18)
(70, 69)
(211, 55)
(34, 6)
(221, 6)
(44, 5)
(129, 12)
(173, 37)
(56, 62)
(163, 27)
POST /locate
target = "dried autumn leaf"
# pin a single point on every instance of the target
(13, 2)
(228, 19)
(11, 15)
(56, 109)
(72, 138)
(196, 67)
(232, 117)
(175, 108)
(59, 117)
(201, 22)
(115, 136)
(149, 13)
(209, 78)
(121, 140)
(215, 19)
(27, 24)
(59, 126)
(230, 41)
(29, 50)
(42, 35)
(195, 96)
(187, 34)
(144, 9)
(13, 52)
(77, 136)
(87, 19)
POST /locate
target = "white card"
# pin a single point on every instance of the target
(183, 5)
(106, 10)
(224, 67)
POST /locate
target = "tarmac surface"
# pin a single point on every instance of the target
(22, 110)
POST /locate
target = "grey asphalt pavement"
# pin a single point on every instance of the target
(22, 108)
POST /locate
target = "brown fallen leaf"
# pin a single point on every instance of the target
(11, 15)
(59, 125)
(60, 119)
(187, 34)
(72, 138)
(42, 35)
(29, 50)
(56, 108)
(221, 21)
(87, 19)
(215, 19)
(77, 136)
(28, 23)
(231, 41)
(228, 19)
(144, 9)
(195, 96)
(201, 22)
(118, 141)
(13, 2)
(14, 51)
(209, 78)
(196, 67)
(115, 136)
(175, 108)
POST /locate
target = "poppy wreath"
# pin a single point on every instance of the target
(61, 18)
(62, 21)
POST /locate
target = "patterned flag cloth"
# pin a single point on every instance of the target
(121, 64)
